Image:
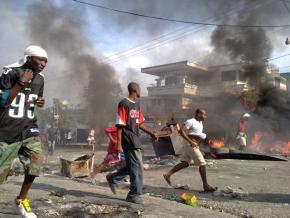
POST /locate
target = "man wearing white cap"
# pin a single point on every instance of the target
(241, 135)
(21, 88)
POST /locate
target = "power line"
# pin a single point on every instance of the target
(153, 48)
(176, 32)
(275, 58)
(267, 59)
(142, 44)
(233, 10)
(180, 21)
(286, 6)
(284, 67)
(179, 37)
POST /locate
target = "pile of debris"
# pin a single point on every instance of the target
(168, 160)
(211, 164)
(85, 209)
(17, 169)
(230, 192)
(45, 169)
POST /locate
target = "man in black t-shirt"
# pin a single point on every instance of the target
(21, 88)
(129, 120)
(52, 135)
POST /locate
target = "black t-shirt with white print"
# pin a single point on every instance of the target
(17, 121)
(129, 117)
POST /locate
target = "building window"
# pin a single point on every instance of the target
(229, 75)
(242, 76)
(170, 81)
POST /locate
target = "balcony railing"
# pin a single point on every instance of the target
(180, 89)
(193, 90)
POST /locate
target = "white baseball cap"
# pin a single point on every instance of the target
(32, 50)
(246, 115)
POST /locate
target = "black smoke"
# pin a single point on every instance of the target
(75, 66)
(252, 47)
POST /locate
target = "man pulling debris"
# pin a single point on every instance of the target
(194, 128)
(22, 86)
(241, 133)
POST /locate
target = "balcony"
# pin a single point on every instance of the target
(212, 91)
(180, 89)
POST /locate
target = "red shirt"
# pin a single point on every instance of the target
(113, 132)
(129, 118)
(242, 126)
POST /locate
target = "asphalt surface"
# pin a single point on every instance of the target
(264, 191)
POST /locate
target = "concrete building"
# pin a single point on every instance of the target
(286, 76)
(185, 85)
(174, 90)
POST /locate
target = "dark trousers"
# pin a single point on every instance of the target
(134, 168)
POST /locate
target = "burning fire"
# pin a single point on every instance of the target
(258, 145)
(283, 149)
(217, 143)
(286, 149)
(256, 141)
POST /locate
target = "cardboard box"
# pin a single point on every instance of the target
(80, 167)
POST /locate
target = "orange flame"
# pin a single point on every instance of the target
(256, 141)
(283, 149)
(217, 143)
(258, 145)
(286, 149)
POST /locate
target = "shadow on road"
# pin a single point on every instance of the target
(251, 197)
(60, 192)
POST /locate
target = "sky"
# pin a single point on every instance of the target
(110, 36)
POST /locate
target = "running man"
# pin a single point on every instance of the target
(128, 123)
(194, 128)
(21, 86)
(112, 156)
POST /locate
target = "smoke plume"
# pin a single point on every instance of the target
(62, 32)
(252, 47)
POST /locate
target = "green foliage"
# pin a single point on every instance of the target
(250, 97)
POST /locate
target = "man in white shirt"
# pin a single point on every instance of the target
(241, 135)
(194, 136)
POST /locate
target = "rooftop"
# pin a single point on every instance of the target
(184, 66)
(285, 74)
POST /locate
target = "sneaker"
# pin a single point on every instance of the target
(93, 181)
(135, 200)
(111, 185)
(24, 209)
(126, 181)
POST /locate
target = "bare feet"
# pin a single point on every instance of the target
(208, 188)
(167, 179)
